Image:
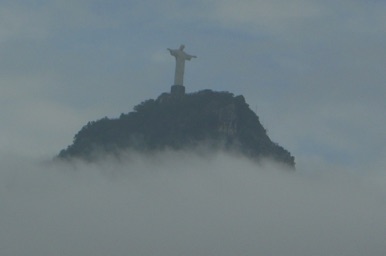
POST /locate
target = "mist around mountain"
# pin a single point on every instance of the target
(204, 120)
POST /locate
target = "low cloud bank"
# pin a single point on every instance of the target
(179, 204)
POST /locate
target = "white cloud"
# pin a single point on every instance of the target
(182, 204)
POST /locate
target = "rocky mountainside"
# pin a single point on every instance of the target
(216, 120)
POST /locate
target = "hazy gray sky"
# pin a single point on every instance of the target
(313, 70)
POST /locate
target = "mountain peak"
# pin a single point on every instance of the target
(178, 121)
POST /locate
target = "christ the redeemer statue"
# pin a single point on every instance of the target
(180, 56)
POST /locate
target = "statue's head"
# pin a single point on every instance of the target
(182, 47)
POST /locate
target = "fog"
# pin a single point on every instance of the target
(184, 204)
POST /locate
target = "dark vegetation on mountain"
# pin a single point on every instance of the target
(215, 120)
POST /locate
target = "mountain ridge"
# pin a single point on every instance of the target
(218, 120)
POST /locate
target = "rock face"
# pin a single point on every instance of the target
(217, 120)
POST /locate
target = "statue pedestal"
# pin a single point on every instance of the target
(177, 90)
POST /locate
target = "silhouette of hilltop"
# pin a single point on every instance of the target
(176, 121)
